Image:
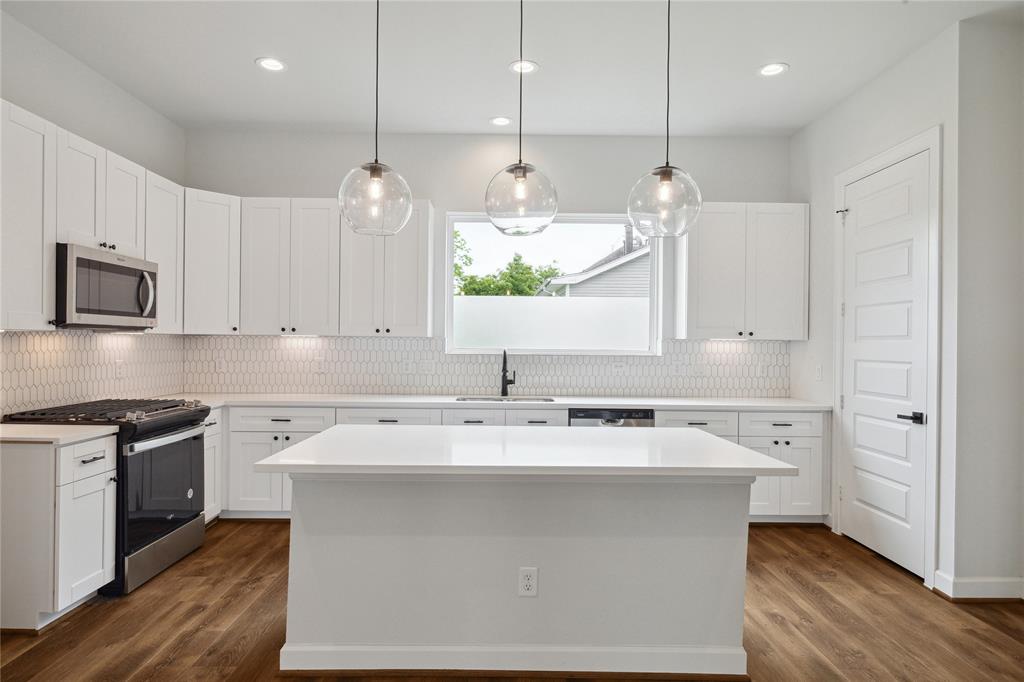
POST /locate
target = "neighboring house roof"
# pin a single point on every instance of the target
(610, 262)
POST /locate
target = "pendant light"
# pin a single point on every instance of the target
(520, 200)
(374, 199)
(664, 202)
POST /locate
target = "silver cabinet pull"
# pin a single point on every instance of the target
(92, 459)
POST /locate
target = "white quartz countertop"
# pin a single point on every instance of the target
(57, 434)
(507, 450)
(216, 400)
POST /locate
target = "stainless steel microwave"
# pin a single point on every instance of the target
(99, 289)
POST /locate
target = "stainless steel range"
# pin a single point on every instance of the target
(159, 479)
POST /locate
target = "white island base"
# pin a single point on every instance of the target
(403, 559)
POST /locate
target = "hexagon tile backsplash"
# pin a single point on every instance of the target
(276, 364)
(41, 369)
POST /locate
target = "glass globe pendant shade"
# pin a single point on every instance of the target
(375, 200)
(520, 200)
(664, 203)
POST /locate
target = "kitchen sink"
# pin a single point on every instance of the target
(504, 399)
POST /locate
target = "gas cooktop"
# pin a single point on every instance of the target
(133, 416)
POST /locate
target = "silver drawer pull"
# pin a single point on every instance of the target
(780, 424)
(387, 421)
(92, 459)
(696, 423)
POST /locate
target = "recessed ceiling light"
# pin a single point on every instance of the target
(523, 66)
(501, 120)
(774, 69)
(271, 63)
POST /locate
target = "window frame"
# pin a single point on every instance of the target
(655, 315)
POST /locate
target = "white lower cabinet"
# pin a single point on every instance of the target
(58, 516)
(473, 417)
(213, 467)
(764, 492)
(252, 491)
(85, 543)
(401, 416)
(537, 417)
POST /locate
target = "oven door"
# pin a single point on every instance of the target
(162, 482)
(103, 289)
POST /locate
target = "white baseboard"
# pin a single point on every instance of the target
(979, 588)
(722, 660)
(230, 514)
(774, 518)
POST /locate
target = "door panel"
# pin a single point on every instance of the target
(249, 490)
(28, 226)
(266, 242)
(764, 492)
(212, 256)
(777, 271)
(885, 359)
(362, 277)
(286, 479)
(165, 246)
(801, 494)
(126, 206)
(81, 190)
(717, 273)
(406, 293)
(315, 257)
(85, 542)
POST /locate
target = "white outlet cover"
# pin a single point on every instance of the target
(528, 581)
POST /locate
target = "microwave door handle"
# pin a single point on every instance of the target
(150, 296)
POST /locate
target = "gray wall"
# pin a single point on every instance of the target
(38, 76)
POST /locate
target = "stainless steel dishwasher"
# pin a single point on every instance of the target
(601, 417)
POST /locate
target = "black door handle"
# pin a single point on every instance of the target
(915, 417)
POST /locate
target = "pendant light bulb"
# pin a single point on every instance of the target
(374, 199)
(664, 202)
(520, 200)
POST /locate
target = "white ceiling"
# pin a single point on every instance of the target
(444, 65)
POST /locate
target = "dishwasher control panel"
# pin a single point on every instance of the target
(608, 417)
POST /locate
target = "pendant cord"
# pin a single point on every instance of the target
(376, 88)
(668, 79)
(520, 81)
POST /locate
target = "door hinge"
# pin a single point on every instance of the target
(842, 309)
(840, 493)
(842, 401)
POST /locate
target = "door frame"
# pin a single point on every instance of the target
(929, 141)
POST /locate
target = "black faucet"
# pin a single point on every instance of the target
(505, 381)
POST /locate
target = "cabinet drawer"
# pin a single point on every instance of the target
(83, 460)
(473, 417)
(372, 415)
(781, 424)
(214, 422)
(537, 417)
(281, 418)
(718, 423)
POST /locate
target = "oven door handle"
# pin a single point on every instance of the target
(152, 443)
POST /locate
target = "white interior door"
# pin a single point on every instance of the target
(315, 254)
(266, 242)
(885, 364)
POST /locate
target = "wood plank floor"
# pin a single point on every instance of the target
(818, 607)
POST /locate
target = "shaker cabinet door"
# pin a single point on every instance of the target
(81, 191)
(212, 255)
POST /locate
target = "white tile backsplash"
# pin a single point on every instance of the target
(41, 369)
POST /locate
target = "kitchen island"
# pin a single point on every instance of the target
(503, 548)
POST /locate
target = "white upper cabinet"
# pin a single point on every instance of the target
(777, 271)
(165, 245)
(742, 273)
(315, 258)
(125, 230)
(28, 226)
(265, 264)
(81, 191)
(212, 256)
(290, 256)
(386, 282)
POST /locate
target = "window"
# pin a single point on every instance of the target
(588, 284)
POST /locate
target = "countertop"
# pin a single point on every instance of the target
(215, 400)
(508, 450)
(57, 434)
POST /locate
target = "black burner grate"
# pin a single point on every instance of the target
(97, 410)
